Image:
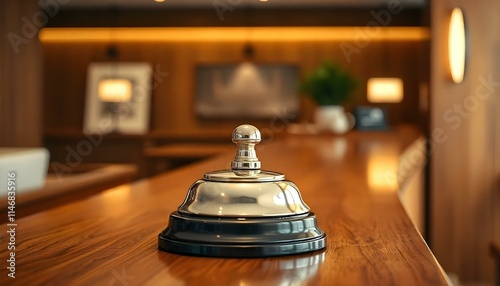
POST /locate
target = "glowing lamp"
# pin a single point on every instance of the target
(115, 90)
(385, 89)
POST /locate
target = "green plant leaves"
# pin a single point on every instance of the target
(329, 84)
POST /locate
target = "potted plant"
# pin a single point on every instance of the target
(330, 86)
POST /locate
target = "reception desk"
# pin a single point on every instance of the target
(350, 182)
(81, 182)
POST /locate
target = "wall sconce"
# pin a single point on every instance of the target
(385, 90)
(457, 45)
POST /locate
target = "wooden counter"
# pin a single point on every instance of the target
(83, 181)
(348, 181)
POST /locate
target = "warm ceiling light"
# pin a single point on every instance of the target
(223, 34)
(385, 89)
(263, 0)
(159, 1)
(115, 90)
(457, 45)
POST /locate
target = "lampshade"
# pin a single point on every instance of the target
(457, 45)
(115, 90)
(385, 89)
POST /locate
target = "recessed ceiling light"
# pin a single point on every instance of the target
(159, 1)
(263, 0)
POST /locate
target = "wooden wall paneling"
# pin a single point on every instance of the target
(65, 79)
(162, 63)
(20, 72)
(496, 117)
(462, 166)
(173, 99)
(420, 64)
(4, 83)
(309, 59)
(423, 86)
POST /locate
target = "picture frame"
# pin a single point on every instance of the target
(126, 114)
(246, 90)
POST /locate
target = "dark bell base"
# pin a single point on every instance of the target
(241, 250)
(252, 237)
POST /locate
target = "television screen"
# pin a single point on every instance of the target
(246, 90)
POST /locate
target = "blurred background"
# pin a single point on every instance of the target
(111, 82)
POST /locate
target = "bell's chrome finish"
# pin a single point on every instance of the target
(243, 212)
(229, 193)
(243, 176)
(246, 137)
(240, 199)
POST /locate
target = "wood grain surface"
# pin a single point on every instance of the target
(111, 238)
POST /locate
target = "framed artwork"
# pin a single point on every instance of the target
(118, 98)
(246, 90)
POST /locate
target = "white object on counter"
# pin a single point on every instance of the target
(333, 118)
(29, 164)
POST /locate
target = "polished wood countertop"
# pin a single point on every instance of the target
(348, 181)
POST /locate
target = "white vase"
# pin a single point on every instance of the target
(333, 118)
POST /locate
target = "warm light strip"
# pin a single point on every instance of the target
(218, 34)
